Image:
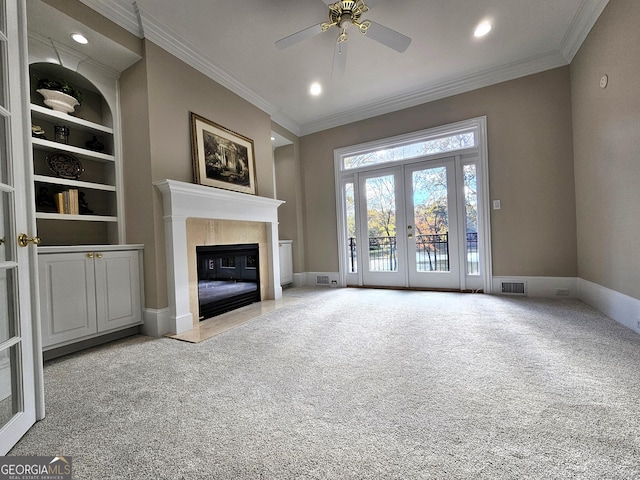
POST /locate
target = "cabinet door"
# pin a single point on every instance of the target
(68, 297)
(117, 289)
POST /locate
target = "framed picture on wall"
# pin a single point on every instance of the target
(222, 158)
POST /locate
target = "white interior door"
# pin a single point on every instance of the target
(17, 378)
(409, 220)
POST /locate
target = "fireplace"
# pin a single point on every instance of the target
(228, 278)
(184, 202)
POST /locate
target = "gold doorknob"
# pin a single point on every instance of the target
(24, 240)
(410, 235)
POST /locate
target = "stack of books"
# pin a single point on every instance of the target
(67, 202)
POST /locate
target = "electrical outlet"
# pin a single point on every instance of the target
(334, 283)
(562, 292)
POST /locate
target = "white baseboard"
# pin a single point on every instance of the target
(622, 308)
(299, 279)
(156, 322)
(541, 286)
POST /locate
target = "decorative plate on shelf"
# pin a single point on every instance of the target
(65, 165)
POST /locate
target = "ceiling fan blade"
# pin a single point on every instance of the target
(299, 36)
(388, 37)
(339, 59)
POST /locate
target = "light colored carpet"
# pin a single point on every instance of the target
(351, 383)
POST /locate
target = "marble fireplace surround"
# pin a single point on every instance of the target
(185, 200)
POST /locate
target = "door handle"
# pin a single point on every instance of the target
(24, 240)
(410, 235)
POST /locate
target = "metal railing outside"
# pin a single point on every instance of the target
(432, 253)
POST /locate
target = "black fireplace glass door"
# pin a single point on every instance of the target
(228, 278)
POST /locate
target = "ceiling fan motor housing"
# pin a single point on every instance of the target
(347, 12)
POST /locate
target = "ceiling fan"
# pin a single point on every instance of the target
(343, 15)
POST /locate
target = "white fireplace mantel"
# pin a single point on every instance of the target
(185, 200)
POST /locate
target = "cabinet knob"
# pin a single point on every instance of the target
(24, 240)
(90, 255)
(99, 255)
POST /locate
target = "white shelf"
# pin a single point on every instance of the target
(47, 114)
(81, 218)
(49, 146)
(73, 183)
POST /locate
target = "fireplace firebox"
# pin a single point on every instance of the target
(228, 278)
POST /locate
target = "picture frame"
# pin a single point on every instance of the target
(222, 158)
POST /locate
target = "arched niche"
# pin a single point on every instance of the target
(95, 105)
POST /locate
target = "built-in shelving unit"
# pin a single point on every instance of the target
(91, 282)
(97, 185)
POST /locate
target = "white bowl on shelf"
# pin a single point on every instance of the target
(58, 101)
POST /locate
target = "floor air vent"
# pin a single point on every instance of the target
(513, 288)
(322, 279)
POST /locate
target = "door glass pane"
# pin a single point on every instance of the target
(381, 223)
(350, 213)
(6, 254)
(471, 219)
(8, 301)
(3, 71)
(4, 146)
(9, 399)
(431, 219)
(3, 22)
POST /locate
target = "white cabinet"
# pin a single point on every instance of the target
(285, 250)
(86, 293)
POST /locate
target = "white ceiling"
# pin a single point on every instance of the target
(233, 43)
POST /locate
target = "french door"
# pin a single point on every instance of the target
(409, 220)
(17, 349)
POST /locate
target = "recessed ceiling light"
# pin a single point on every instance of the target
(482, 29)
(315, 89)
(78, 37)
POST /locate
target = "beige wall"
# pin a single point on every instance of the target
(290, 214)
(530, 166)
(158, 142)
(606, 124)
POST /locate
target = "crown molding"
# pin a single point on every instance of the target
(444, 89)
(584, 20)
(118, 14)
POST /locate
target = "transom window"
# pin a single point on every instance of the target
(450, 143)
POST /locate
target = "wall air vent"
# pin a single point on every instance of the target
(322, 279)
(513, 288)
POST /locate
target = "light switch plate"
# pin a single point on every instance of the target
(496, 205)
